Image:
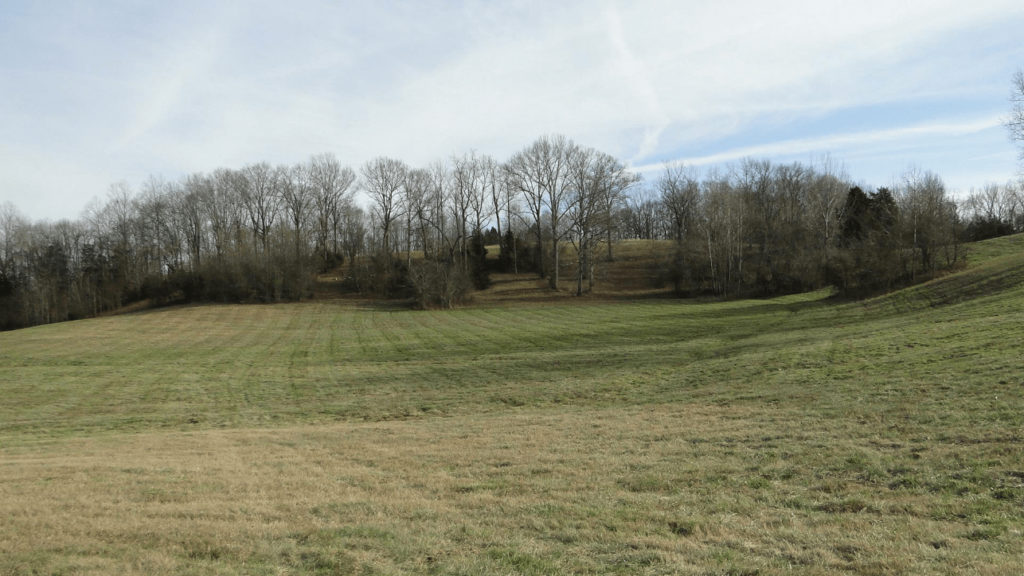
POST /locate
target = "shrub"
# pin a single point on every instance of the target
(439, 284)
(381, 275)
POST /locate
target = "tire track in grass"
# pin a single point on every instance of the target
(279, 353)
(362, 324)
(172, 340)
(512, 332)
(478, 356)
(230, 336)
(155, 369)
(388, 324)
(422, 374)
(363, 379)
(297, 351)
(340, 320)
(555, 343)
(348, 346)
(531, 330)
(485, 335)
(230, 373)
(436, 333)
(531, 347)
(125, 391)
(604, 337)
(479, 348)
(446, 350)
(357, 376)
(567, 327)
(535, 322)
(247, 374)
(319, 358)
(40, 370)
(324, 365)
(107, 352)
(332, 361)
(150, 348)
(244, 385)
(525, 344)
(515, 350)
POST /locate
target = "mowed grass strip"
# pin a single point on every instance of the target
(242, 365)
(229, 366)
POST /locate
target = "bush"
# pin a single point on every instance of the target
(381, 275)
(223, 283)
(439, 284)
(330, 261)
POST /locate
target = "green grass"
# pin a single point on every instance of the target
(981, 252)
(657, 436)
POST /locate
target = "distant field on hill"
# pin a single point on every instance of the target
(526, 435)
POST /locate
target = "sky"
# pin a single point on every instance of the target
(95, 93)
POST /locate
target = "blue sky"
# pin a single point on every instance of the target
(92, 93)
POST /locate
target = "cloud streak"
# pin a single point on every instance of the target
(836, 143)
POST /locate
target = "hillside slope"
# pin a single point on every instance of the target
(995, 267)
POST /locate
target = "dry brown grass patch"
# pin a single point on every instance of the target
(674, 489)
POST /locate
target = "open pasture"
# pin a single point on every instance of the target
(654, 436)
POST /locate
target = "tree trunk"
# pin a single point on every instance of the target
(554, 260)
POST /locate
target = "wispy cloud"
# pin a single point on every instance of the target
(837, 143)
(634, 73)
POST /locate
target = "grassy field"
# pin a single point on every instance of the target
(526, 435)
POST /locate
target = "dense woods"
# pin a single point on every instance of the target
(263, 233)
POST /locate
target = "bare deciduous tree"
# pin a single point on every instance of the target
(596, 182)
(497, 187)
(929, 218)
(465, 192)
(640, 218)
(297, 198)
(438, 196)
(1015, 122)
(383, 179)
(825, 197)
(479, 188)
(680, 190)
(523, 175)
(196, 190)
(224, 208)
(259, 193)
(10, 220)
(541, 173)
(331, 186)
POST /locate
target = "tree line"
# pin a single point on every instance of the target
(264, 233)
(760, 228)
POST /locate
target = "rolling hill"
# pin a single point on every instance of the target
(526, 436)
